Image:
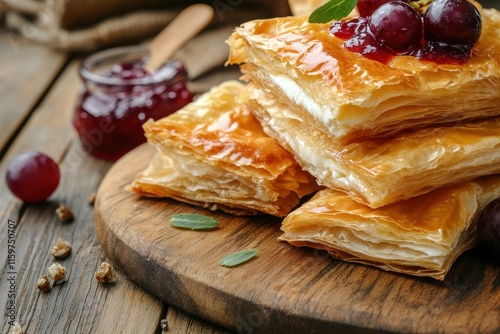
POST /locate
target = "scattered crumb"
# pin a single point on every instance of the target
(92, 199)
(44, 283)
(64, 213)
(105, 274)
(164, 324)
(57, 273)
(62, 249)
(16, 329)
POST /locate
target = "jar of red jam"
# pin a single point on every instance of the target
(119, 95)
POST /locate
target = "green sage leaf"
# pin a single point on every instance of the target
(237, 258)
(193, 221)
(332, 10)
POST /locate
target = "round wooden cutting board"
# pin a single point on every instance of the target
(283, 289)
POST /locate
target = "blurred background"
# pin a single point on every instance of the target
(90, 24)
(490, 3)
(76, 25)
(84, 26)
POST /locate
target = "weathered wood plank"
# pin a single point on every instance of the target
(26, 70)
(81, 305)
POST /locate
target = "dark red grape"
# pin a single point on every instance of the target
(367, 7)
(396, 25)
(32, 176)
(488, 227)
(388, 28)
(452, 22)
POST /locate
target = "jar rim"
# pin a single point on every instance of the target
(134, 52)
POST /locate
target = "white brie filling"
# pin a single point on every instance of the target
(319, 165)
(325, 115)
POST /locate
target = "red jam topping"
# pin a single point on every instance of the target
(445, 33)
(116, 102)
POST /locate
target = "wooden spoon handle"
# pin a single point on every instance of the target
(185, 26)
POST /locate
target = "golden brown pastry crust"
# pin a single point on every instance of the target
(422, 236)
(349, 96)
(380, 171)
(214, 153)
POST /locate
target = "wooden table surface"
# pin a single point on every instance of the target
(38, 89)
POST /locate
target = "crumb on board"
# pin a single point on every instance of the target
(44, 283)
(105, 273)
(57, 272)
(16, 329)
(64, 213)
(62, 249)
(164, 324)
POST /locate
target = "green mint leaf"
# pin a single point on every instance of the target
(332, 10)
(193, 221)
(238, 258)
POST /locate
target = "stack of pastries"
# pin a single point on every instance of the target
(402, 156)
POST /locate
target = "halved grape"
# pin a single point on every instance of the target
(32, 176)
(488, 227)
(452, 22)
(396, 25)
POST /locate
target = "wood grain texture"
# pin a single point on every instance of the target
(80, 305)
(283, 289)
(26, 72)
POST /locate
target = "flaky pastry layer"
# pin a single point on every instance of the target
(422, 236)
(352, 97)
(214, 153)
(381, 171)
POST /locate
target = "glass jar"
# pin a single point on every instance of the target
(119, 95)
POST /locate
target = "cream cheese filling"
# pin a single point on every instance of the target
(325, 115)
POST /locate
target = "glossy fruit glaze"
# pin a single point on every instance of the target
(32, 176)
(110, 113)
(445, 33)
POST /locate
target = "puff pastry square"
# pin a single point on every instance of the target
(348, 96)
(422, 236)
(214, 153)
(381, 171)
